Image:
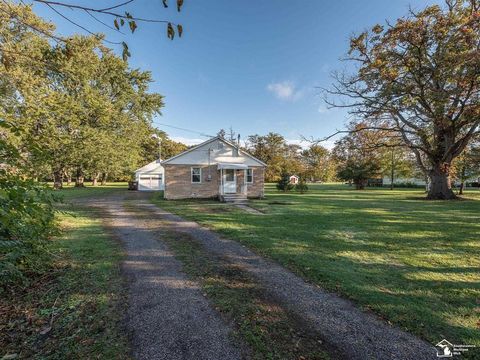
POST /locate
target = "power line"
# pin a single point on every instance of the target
(188, 130)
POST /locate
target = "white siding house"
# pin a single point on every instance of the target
(151, 177)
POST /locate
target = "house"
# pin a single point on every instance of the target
(387, 180)
(150, 177)
(294, 179)
(216, 168)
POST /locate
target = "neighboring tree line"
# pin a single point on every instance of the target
(418, 81)
(361, 157)
(69, 108)
(367, 154)
(314, 163)
(78, 110)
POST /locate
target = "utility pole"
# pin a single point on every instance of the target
(159, 139)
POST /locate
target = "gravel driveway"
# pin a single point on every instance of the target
(168, 317)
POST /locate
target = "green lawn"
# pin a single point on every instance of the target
(70, 192)
(75, 309)
(414, 262)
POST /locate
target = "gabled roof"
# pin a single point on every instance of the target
(151, 167)
(240, 151)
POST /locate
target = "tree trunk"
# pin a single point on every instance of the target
(57, 179)
(392, 173)
(68, 177)
(462, 177)
(104, 178)
(440, 183)
(360, 184)
(80, 178)
(95, 179)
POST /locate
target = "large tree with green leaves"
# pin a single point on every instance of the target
(76, 104)
(356, 156)
(274, 150)
(318, 164)
(419, 80)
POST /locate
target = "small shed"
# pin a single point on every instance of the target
(151, 177)
(294, 179)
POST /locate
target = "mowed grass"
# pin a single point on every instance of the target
(69, 192)
(75, 310)
(414, 262)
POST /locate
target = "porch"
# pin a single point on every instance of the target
(233, 185)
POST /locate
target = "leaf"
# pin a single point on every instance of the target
(170, 31)
(133, 26)
(125, 53)
(180, 30)
(122, 22)
(115, 22)
(179, 5)
(128, 15)
(165, 5)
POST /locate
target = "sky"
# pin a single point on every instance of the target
(256, 66)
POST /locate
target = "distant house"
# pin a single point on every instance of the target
(216, 168)
(150, 177)
(294, 179)
(403, 181)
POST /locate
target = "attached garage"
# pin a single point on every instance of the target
(151, 177)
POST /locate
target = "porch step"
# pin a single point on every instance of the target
(234, 198)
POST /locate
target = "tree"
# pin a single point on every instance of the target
(284, 183)
(419, 80)
(467, 165)
(301, 187)
(397, 161)
(94, 110)
(357, 155)
(169, 148)
(119, 18)
(273, 150)
(358, 171)
(318, 164)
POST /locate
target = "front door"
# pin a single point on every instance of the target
(229, 181)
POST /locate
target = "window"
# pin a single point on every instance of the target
(229, 175)
(196, 175)
(249, 176)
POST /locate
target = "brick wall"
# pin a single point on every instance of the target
(178, 182)
(256, 189)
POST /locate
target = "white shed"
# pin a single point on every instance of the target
(151, 177)
(294, 179)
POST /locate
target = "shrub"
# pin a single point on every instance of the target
(27, 221)
(284, 183)
(301, 187)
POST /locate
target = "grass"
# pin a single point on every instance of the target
(69, 193)
(74, 310)
(416, 263)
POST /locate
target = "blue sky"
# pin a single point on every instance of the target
(251, 65)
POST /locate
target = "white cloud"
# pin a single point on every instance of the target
(285, 90)
(187, 141)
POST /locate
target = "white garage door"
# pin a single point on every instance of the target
(150, 182)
